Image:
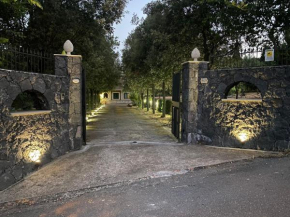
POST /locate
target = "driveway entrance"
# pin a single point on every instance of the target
(111, 158)
(118, 123)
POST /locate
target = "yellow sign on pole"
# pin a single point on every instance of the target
(269, 55)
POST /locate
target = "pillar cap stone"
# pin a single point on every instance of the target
(195, 54)
(64, 55)
(68, 47)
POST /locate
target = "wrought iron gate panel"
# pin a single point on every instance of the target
(176, 108)
(84, 106)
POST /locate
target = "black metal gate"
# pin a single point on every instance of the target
(84, 121)
(176, 104)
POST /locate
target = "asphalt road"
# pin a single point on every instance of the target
(257, 188)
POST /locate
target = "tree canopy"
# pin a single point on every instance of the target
(171, 29)
(45, 25)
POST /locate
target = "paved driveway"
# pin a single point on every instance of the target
(120, 123)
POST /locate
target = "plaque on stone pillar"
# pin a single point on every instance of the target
(204, 80)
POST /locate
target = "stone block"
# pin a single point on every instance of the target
(6, 180)
(4, 83)
(4, 165)
(25, 85)
(61, 65)
(13, 91)
(282, 145)
(221, 88)
(281, 134)
(17, 172)
(277, 103)
(17, 76)
(39, 85)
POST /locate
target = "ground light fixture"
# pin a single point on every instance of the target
(94, 113)
(35, 155)
(243, 137)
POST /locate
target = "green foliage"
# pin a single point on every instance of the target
(88, 24)
(23, 102)
(241, 89)
(171, 30)
(134, 97)
(166, 37)
(160, 105)
(3, 40)
(168, 107)
(35, 2)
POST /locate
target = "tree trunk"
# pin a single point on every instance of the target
(92, 99)
(147, 100)
(164, 100)
(95, 100)
(98, 98)
(142, 100)
(153, 99)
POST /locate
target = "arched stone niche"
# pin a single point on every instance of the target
(243, 91)
(29, 102)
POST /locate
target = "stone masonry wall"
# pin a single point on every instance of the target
(21, 135)
(265, 125)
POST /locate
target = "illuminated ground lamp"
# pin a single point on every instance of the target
(34, 155)
(243, 137)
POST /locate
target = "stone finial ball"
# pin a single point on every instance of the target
(195, 54)
(68, 47)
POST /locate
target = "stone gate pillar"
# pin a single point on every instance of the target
(71, 66)
(190, 96)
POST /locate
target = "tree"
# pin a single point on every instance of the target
(88, 24)
(166, 37)
(270, 19)
(13, 18)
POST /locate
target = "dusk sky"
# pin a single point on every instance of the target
(123, 29)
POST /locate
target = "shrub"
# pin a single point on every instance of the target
(168, 107)
(160, 105)
(134, 98)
